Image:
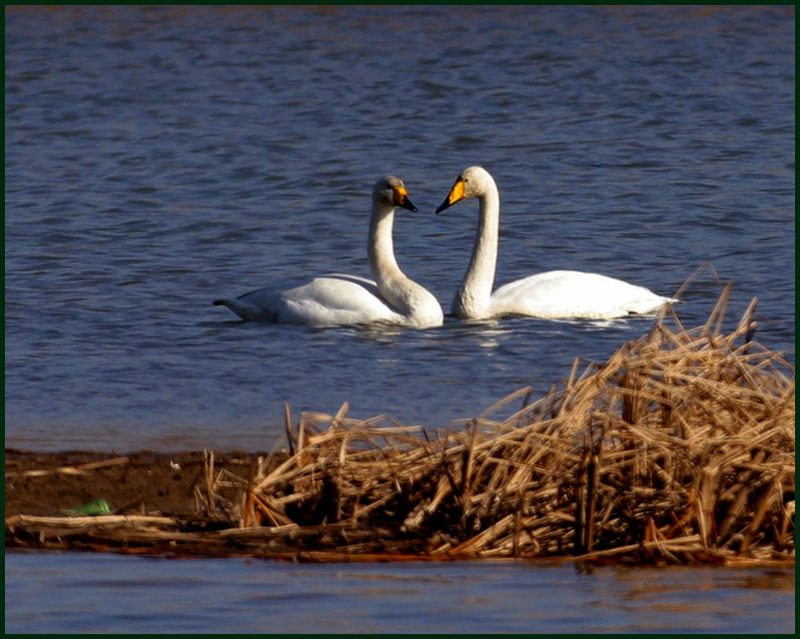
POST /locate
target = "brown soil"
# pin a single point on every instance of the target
(141, 483)
(164, 501)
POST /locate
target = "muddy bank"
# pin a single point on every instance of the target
(135, 483)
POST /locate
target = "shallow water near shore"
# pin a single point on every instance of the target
(158, 158)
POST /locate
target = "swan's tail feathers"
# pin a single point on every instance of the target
(231, 304)
(651, 305)
(243, 310)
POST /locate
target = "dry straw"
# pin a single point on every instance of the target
(679, 448)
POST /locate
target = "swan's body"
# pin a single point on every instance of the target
(335, 300)
(554, 294)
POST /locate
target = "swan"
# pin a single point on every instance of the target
(553, 294)
(337, 299)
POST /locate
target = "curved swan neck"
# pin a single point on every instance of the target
(380, 247)
(474, 294)
(405, 296)
(401, 293)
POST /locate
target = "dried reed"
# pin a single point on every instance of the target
(679, 448)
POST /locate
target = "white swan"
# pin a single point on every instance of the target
(554, 294)
(335, 300)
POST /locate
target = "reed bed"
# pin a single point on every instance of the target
(678, 449)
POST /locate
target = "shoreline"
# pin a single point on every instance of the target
(679, 449)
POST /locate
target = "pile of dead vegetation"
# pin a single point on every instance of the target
(679, 449)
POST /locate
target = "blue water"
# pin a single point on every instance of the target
(134, 594)
(158, 158)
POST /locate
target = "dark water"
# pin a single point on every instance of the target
(158, 158)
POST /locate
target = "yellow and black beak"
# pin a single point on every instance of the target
(456, 194)
(400, 198)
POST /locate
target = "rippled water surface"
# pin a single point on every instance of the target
(158, 158)
(133, 594)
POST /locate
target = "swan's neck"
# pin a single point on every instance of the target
(380, 248)
(417, 304)
(392, 282)
(474, 295)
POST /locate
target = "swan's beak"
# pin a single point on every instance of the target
(456, 194)
(400, 198)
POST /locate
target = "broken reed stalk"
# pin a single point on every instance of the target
(681, 435)
(78, 469)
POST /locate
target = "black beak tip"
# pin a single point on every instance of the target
(406, 204)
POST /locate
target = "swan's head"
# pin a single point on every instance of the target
(391, 192)
(473, 182)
